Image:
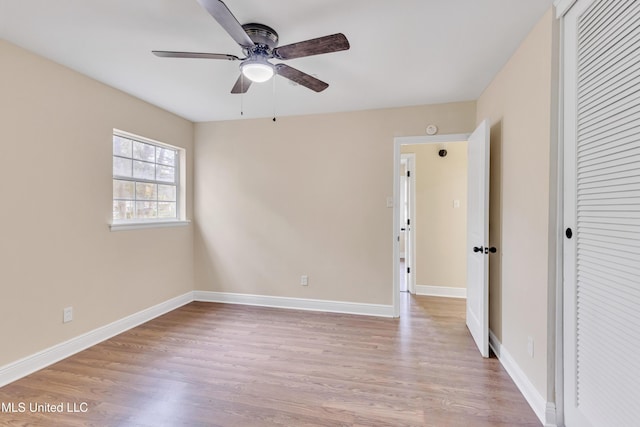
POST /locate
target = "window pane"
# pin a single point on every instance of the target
(145, 179)
(167, 193)
(144, 170)
(166, 174)
(123, 189)
(121, 167)
(165, 156)
(146, 209)
(142, 151)
(166, 210)
(146, 191)
(121, 146)
(122, 209)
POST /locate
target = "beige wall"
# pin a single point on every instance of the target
(519, 105)
(304, 195)
(440, 229)
(56, 249)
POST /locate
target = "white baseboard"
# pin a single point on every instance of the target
(42, 359)
(551, 415)
(545, 411)
(296, 303)
(441, 291)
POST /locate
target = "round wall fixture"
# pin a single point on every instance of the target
(432, 130)
(442, 153)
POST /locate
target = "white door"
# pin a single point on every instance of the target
(601, 257)
(404, 277)
(478, 237)
(409, 223)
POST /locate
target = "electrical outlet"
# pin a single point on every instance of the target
(304, 280)
(530, 346)
(67, 315)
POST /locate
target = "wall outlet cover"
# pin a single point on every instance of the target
(67, 315)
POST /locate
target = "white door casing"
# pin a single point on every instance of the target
(478, 237)
(398, 142)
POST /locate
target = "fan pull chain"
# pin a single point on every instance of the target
(274, 97)
(242, 96)
(242, 101)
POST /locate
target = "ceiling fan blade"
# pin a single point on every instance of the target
(326, 44)
(225, 18)
(170, 54)
(301, 78)
(242, 85)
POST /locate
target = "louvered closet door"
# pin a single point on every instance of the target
(602, 206)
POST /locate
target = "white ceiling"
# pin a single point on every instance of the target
(403, 52)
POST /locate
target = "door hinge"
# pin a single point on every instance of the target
(408, 270)
(408, 173)
(408, 221)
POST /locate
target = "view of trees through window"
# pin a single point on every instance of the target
(145, 181)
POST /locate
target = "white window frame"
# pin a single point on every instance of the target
(140, 223)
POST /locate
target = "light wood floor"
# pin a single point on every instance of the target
(225, 365)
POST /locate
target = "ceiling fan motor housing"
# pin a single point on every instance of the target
(261, 35)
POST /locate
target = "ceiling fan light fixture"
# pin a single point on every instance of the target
(260, 43)
(257, 69)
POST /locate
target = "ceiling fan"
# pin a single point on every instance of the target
(259, 44)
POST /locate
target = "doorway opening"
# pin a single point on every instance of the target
(475, 237)
(433, 219)
(417, 160)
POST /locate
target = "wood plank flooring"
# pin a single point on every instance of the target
(228, 365)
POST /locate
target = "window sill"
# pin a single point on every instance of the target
(122, 226)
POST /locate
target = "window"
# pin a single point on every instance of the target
(145, 180)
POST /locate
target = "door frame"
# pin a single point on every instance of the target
(397, 142)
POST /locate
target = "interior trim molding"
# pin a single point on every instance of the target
(441, 291)
(562, 7)
(122, 226)
(51, 355)
(551, 415)
(420, 139)
(545, 411)
(296, 303)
